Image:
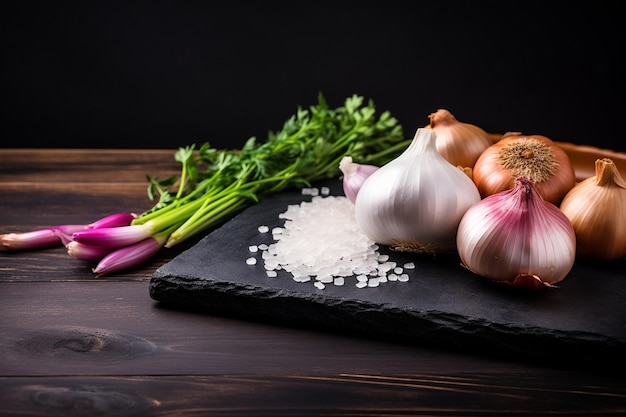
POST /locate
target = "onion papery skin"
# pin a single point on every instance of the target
(459, 143)
(491, 174)
(596, 207)
(517, 238)
(415, 202)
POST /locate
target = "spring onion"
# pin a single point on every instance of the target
(215, 184)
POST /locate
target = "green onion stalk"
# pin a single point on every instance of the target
(215, 184)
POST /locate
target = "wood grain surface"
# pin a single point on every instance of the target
(75, 345)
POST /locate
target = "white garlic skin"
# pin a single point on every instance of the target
(517, 239)
(419, 197)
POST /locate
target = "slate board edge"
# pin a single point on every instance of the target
(388, 323)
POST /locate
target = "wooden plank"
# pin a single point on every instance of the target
(42, 188)
(99, 327)
(25, 207)
(85, 166)
(87, 157)
(300, 395)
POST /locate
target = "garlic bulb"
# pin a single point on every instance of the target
(517, 238)
(353, 176)
(415, 202)
(460, 143)
(597, 209)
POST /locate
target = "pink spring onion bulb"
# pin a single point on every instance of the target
(130, 256)
(84, 252)
(56, 235)
(516, 238)
(113, 220)
(81, 251)
(37, 239)
(114, 237)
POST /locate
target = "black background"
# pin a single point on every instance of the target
(164, 74)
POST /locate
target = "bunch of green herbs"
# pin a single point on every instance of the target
(215, 184)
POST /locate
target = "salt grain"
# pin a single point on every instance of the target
(326, 279)
(251, 261)
(321, 241)
(373, 282)
(310, 191)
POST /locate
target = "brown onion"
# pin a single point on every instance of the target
(596, 208)
(459, 143)
(534, 157)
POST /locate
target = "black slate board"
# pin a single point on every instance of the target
(581, 321)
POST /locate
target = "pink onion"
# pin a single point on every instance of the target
(517, 238)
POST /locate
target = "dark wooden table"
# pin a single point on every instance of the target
(75, 345)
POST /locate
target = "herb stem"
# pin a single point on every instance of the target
(215, 184)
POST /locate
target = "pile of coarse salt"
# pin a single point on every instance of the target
(322, 242)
